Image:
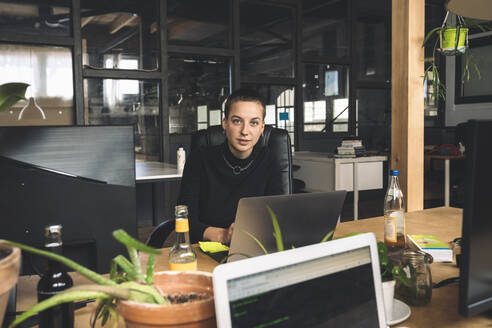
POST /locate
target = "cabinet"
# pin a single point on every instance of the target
(323, 172)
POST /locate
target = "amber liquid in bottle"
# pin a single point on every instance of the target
(399, 244)
(53, 281)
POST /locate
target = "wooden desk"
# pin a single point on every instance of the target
(155, 172)
(445, 224)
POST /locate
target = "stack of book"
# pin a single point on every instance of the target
(430, 244)
(350, 148)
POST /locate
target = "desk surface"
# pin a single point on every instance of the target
(155, 171)
(444, 222)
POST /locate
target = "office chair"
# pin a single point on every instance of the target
(278, 142)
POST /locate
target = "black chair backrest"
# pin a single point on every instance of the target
(277, 140)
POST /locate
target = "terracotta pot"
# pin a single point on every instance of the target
(197, 314)
(9, 274)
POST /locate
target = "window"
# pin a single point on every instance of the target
(48, 71)
(51, 18)
(325, 28)
(110, 101)
(123, 37)
(198, 86)
(267, 39)
(326, 101)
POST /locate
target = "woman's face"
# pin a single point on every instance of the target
(243, 127)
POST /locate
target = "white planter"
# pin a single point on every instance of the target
(388, 295)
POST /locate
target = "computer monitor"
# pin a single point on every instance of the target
(82, 177)
(475, 293)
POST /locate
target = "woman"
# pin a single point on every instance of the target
(215, 178)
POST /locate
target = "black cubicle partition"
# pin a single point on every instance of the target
(82, 177)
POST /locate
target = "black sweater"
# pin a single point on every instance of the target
(211, 190)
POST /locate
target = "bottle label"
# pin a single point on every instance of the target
(390, 228)
(190, 266)
(182, 225)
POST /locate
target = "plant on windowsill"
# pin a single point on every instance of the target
(449, 41)
(143, 299)
(11, 93)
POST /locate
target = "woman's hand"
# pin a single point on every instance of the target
(220, 235)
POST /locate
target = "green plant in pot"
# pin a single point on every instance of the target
(143, 298)
(449, 41)
(11, 93)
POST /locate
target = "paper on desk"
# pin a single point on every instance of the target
(212, 246)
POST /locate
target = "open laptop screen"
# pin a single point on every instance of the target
(331, 291)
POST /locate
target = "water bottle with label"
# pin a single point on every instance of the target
(182, 256)
(394, 213)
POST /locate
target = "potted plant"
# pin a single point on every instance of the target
(143, 299)
(9, 273)
(390, 273)
(11, 93)
(449, 41)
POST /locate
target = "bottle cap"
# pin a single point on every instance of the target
(395, 173)
(52, 235)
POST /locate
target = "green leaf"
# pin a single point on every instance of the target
(429, 35)
(126, 266)
(327, 236)
(64, 297)
(95, 277)
(137, 267)
(276, 230)
(11, 93)
(144, 293)
(129, 241)
(258, 242)
(399, 274)
(149, 277)
(232, 254)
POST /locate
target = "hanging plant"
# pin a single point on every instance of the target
(449, 41)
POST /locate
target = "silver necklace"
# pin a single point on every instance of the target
(236, 169)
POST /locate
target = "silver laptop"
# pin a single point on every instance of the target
(304, 219)
(331, 284)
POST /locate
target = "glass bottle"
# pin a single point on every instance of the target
(53, 281)
(182, 256)
(394, 214)
(418, 289)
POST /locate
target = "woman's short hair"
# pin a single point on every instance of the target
(243, 95)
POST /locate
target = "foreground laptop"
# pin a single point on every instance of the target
(304, 219)
(331, 284)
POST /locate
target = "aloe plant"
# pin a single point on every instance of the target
(277, 233)
(11, 93)
(126, 281)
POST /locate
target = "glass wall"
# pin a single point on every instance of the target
(325, 28)
(266, 39)
(199, 23)
(48, 18)
(326, 98)
(48, 71)
(198, 88)
(124, 36)
(109, 101)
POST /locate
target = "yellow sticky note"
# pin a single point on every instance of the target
(212, 246)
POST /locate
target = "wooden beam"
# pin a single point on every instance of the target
(407, 98)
